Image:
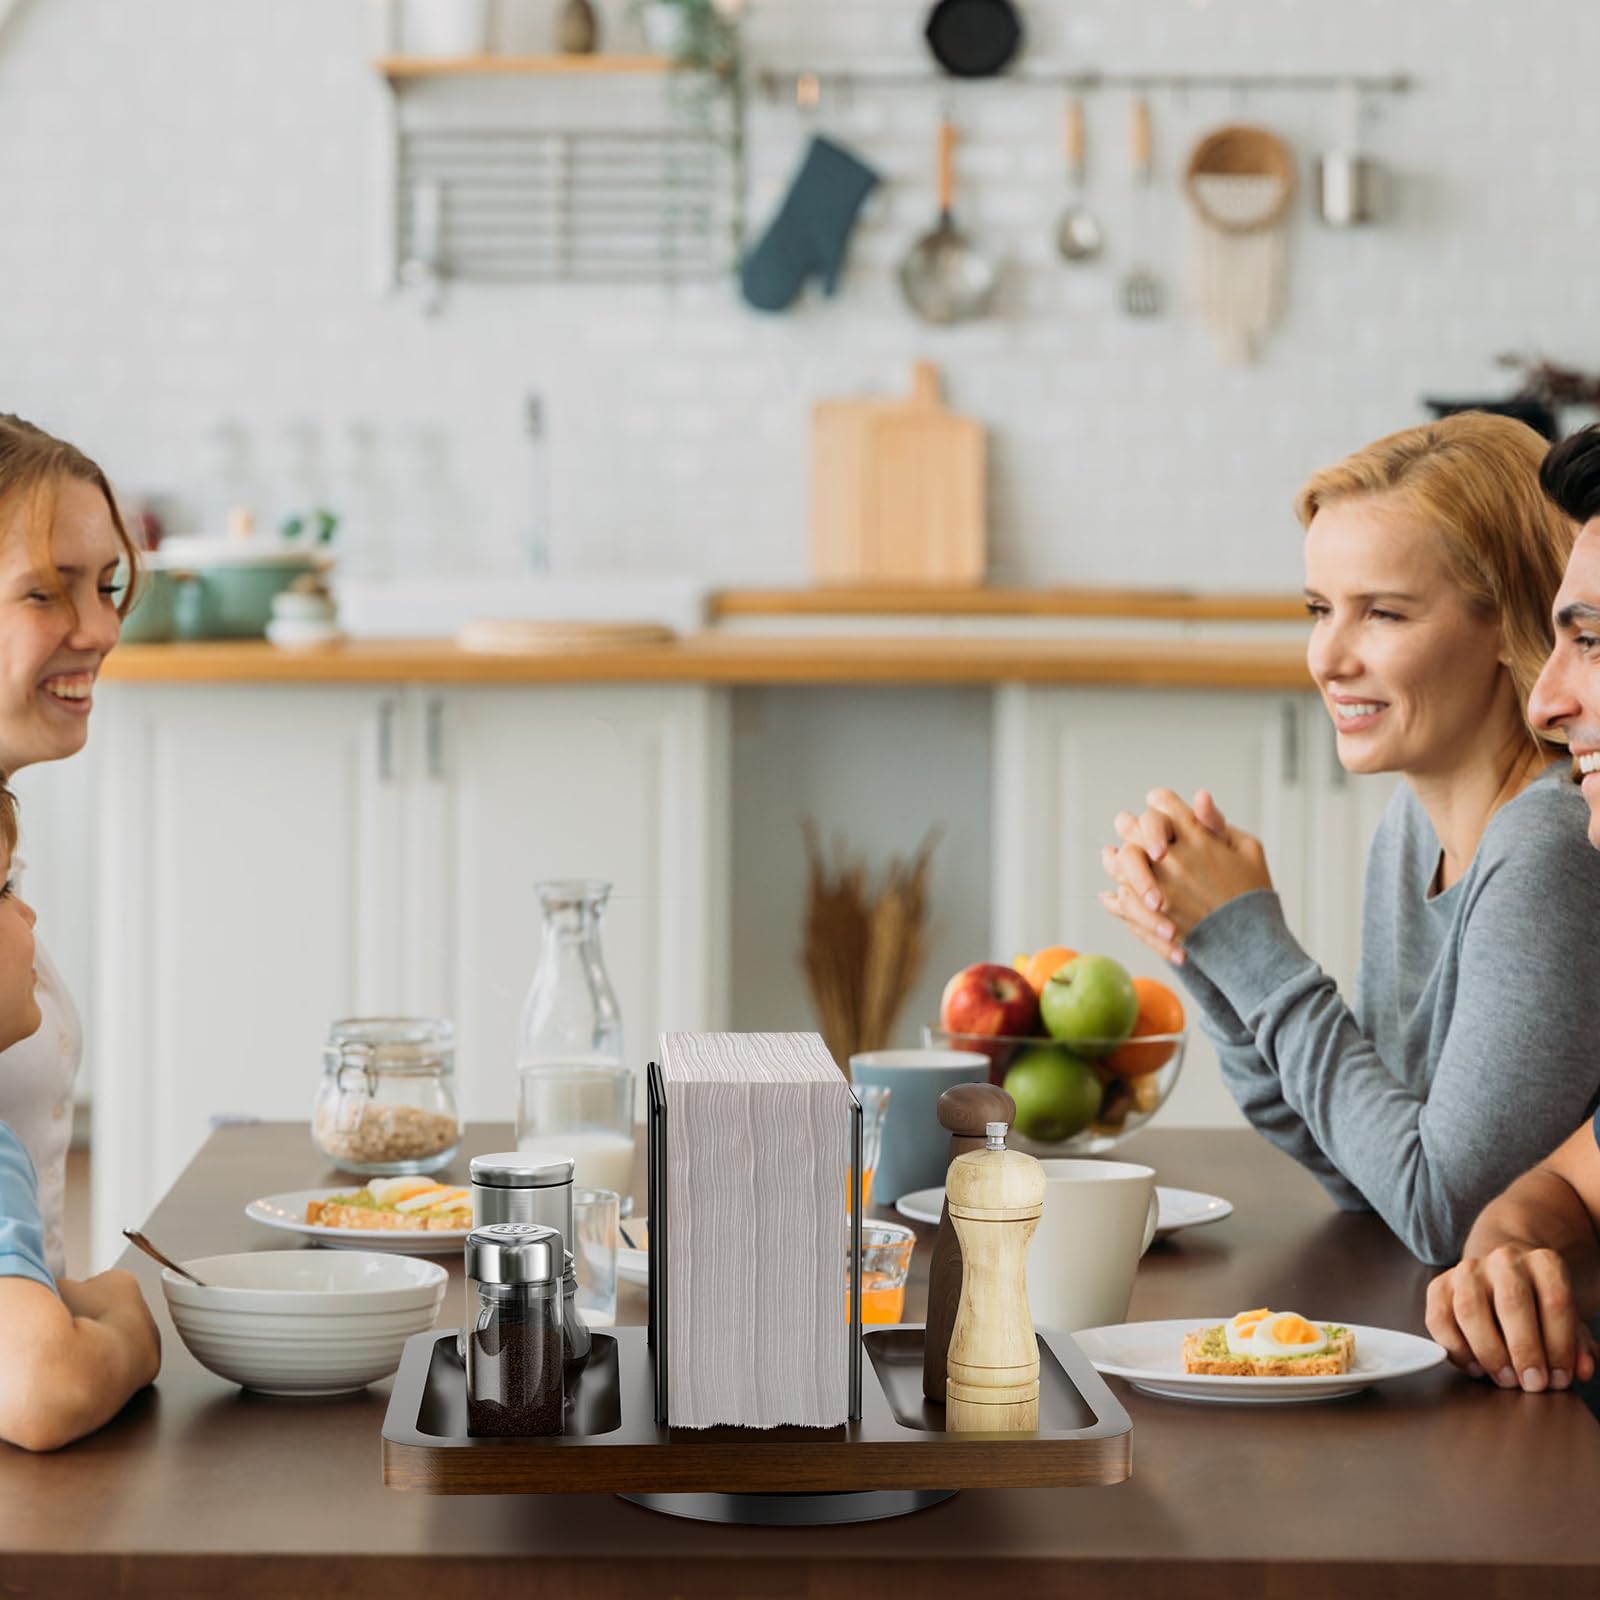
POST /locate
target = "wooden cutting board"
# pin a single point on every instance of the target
(897, 490)
(521, 636)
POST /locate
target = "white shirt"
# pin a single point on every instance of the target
(37, 1077)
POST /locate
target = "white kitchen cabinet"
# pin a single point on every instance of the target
(627, 783)
(271, 858)
(1067, 760)
(247, 847)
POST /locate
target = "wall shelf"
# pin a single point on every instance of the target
(404, 68)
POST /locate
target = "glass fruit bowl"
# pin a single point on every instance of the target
(1134, 1079)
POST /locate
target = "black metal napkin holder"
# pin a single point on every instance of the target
(660, 1223)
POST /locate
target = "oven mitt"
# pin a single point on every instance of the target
(811, 230)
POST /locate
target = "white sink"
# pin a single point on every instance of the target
(435, 608)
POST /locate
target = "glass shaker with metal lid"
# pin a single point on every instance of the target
(515, 1186)
(515, 1381)
(387, 1104)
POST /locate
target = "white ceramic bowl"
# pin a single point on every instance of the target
(303, 1322)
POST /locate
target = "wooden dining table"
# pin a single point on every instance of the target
(1427, 1486)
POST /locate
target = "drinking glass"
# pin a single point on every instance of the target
(594, 1253)
(585, 1112)
(885, 1265)
(874, 1113)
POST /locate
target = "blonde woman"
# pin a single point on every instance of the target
(61, 544)
(1431, 560)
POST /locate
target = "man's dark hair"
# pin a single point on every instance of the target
(1570, 474)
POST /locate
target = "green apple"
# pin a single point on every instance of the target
(1091, 1004)
(1057, 1093)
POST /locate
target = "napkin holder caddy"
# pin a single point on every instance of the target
(657, 1133)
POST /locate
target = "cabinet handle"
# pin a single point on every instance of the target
(386, 710)
(1338, 777)
(1291, 744)
(435, 738)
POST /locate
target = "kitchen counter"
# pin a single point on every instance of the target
(1432, 1486)
(740, 659)
(1168, 605)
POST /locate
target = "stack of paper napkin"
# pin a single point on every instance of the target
(757, 1164)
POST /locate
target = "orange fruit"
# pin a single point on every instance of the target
(1044, 964)
(1160, 1011)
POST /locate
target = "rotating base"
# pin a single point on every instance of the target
(793, 1510)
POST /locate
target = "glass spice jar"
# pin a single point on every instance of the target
(515, 1381)
(387, 1103)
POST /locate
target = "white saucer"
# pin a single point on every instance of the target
(288, 1212)
(1149, 1355)
(1180, 1208)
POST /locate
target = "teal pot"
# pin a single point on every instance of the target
(225, 589)
(154, 617)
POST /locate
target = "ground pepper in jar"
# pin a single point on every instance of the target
(515, 1374)
(513, 1344)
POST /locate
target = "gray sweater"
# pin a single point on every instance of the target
(1468, 1054)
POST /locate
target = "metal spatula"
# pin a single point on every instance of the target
(1142, 292)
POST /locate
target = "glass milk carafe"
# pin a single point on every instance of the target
(569, 1043)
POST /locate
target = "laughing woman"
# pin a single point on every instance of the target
(1467, 1054)
(61, 543)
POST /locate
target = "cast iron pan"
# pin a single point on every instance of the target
(974, 38)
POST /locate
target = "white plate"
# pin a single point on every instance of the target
(633, 1266)
(1180, 1208)
(1150, 1356)
(288, 1211)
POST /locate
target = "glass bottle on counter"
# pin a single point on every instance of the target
(572, 1073)
(570, 1017)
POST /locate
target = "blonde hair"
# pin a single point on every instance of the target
(32, 466)
(1474, 479)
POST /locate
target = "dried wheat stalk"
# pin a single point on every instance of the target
(862, 952)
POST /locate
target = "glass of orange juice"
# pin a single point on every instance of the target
(885, 1264)
(874, 1113)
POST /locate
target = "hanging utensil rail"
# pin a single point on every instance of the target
(784, 83)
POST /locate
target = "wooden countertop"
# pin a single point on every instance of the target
(1433, 1486)
(1143, 604)
(738, 659)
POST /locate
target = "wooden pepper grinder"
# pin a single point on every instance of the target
(992, 1382)
(965, 1111)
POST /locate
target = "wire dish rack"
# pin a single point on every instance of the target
(562, 205)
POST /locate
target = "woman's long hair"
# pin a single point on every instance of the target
(33, 464)
(1474, 479)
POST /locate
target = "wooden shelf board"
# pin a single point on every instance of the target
(711, 658)
(400, 67)
(984, 601)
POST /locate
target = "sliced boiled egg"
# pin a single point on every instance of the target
(392, 1191)
(1240, 1331)
(438, 1198)
(1287, 1333)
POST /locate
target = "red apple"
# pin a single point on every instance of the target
(989, 999)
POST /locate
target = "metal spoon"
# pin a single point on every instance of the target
(142, 1243)
(1079, 236)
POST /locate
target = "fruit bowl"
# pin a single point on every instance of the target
(1149, 1067)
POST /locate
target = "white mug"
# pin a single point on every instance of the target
(1098, 1220)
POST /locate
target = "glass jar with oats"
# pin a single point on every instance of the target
(387, 1104)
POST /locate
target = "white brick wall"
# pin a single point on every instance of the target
(188, 222)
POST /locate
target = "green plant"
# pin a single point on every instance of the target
(707, 33)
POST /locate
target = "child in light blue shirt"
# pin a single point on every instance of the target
(71, 1353)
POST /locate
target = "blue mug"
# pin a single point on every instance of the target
(916, 1149)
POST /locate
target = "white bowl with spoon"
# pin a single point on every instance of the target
(303, 1322)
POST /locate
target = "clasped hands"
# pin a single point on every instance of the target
(1175, 866)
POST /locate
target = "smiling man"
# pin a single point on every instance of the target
(1516, 1306)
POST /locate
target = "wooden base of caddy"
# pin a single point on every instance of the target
(897, 1458)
